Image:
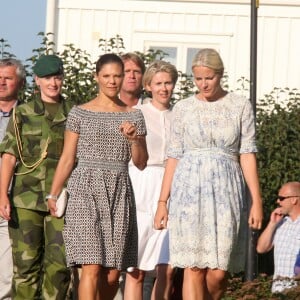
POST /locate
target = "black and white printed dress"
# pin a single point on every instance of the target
(100, 221)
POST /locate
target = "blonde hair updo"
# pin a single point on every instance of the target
(209, 58)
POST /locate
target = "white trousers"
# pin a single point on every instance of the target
(6, 264)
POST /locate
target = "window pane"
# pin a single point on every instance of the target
(171, 51)
(191, 52)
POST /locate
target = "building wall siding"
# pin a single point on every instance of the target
(225, 26)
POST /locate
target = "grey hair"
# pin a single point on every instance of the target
(20, 70)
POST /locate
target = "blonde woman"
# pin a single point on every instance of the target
(34, 140)
(159, 79)
(211, 163)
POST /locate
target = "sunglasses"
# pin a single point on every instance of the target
(281, 198)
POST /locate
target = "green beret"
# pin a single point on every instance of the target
(48, 65)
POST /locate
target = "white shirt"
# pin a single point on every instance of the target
(158, 125)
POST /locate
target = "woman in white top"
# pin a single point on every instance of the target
(153, 248)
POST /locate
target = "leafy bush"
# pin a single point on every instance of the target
(278, 139)
(258, 289)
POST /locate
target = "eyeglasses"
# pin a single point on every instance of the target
(281, 198)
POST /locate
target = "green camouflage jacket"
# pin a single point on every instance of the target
(36, 129)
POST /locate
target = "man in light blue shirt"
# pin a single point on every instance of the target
(283, 233)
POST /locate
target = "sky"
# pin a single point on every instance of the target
(20, 23)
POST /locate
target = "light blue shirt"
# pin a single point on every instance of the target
(286, 247)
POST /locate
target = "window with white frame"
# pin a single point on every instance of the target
(180, 55)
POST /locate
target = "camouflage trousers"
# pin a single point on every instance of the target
(40, 270)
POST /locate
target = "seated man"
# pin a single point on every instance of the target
(283, 232)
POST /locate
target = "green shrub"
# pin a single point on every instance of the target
(278, 139)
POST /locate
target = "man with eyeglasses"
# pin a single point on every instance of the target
(283, 233)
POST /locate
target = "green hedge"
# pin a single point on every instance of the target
(278, 138)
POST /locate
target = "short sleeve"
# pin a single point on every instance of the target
(248, 143)
(140, 123)
(9, 143)
(176, 145)
(73, 120)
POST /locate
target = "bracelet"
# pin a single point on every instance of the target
(54, 197)
(162, 201)
(134, 142)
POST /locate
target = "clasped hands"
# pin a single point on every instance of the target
(129, 130)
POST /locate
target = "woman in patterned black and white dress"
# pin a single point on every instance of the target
(100, 229)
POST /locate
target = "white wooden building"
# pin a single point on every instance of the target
(181, 27)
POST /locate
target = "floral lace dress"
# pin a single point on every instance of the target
(208, 207)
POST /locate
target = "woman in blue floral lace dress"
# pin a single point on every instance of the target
(211, 165)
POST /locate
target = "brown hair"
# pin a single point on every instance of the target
(135, 58)
(108, 59)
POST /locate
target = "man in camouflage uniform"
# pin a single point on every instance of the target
(31, 148)
(12, 79)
